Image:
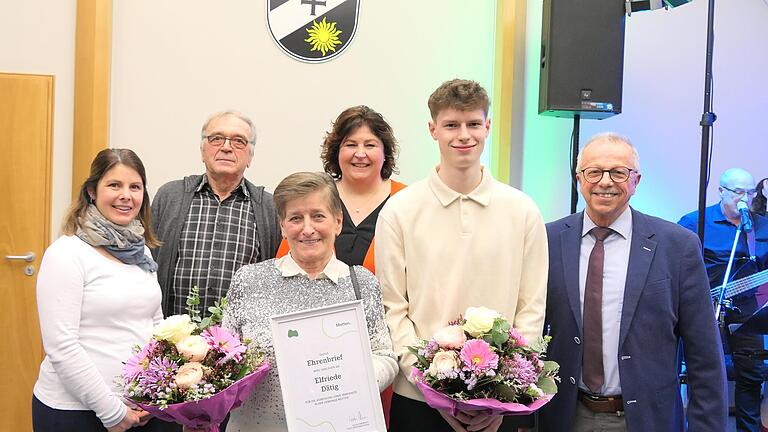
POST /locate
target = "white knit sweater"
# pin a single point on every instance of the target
(92, 312)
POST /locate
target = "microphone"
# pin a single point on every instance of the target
(746, 219)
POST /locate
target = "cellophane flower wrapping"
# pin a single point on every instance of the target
(480, 362)
(193, 371)
(209, 413)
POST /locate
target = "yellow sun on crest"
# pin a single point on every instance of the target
(323, 36)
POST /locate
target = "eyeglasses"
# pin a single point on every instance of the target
(219, 140)
(741, 192)
(618, 174)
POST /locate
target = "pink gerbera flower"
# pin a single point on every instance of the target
(516, 338)
(223, 341)
(139, 362)
(478, 357)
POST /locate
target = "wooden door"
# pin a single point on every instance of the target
(26, 119)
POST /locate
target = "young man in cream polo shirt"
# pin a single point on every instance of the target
(457, 239)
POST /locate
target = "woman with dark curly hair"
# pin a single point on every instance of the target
(759, 202)
(360, 153)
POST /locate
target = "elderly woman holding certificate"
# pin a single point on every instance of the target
(310, 276)
(360, 153)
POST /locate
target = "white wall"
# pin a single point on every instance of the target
(175, 62)
(165, 82)
(663, 102)
(38, 37)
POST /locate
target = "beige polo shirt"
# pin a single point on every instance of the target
(438, 252)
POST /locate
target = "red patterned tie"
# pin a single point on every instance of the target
(592, 372)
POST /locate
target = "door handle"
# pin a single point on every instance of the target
(29, 257)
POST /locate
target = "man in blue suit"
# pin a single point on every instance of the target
(624, 289)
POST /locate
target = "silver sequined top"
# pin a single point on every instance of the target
(259, 291)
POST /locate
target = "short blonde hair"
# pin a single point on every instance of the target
(301, 184)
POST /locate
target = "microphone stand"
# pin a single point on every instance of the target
(727, 276)
(707, 120)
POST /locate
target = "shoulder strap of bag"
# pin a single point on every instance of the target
(355, 285)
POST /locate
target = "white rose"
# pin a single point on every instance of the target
(174, 328)
(193, 348)
(443, 361)
(188, 375)
(479, 320)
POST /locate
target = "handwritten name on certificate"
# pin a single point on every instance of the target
(326, 371)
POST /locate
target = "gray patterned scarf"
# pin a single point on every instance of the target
(125, 243)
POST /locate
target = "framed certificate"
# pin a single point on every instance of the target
(326, 372)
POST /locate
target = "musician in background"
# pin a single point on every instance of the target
(721, 222)
(760, 202)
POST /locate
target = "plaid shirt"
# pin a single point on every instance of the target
(217, 239)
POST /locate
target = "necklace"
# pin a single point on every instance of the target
(362, 203)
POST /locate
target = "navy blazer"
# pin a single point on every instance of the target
(666, 299)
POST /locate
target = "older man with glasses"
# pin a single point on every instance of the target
(721, 222)
(213, 224)
(624, 289)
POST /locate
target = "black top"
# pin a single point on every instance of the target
(353, 242)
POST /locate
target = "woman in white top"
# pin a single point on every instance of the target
(97, 297)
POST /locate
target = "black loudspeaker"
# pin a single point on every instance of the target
(582, 58)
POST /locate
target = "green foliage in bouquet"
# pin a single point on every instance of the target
(189, 358)
(216, 311)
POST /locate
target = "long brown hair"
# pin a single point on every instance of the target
(104, 161)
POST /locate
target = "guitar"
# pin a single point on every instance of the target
(740, 286)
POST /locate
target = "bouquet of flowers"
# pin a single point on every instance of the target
(480, 362)
(193, 371)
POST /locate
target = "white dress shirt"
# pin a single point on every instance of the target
(615, 265)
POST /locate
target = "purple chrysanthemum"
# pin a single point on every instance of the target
(139, 362)
(478, 357)
(516, 338)
(224, 342)
(519, 370)
(158, 375)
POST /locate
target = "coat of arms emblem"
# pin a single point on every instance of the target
(312, 31)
